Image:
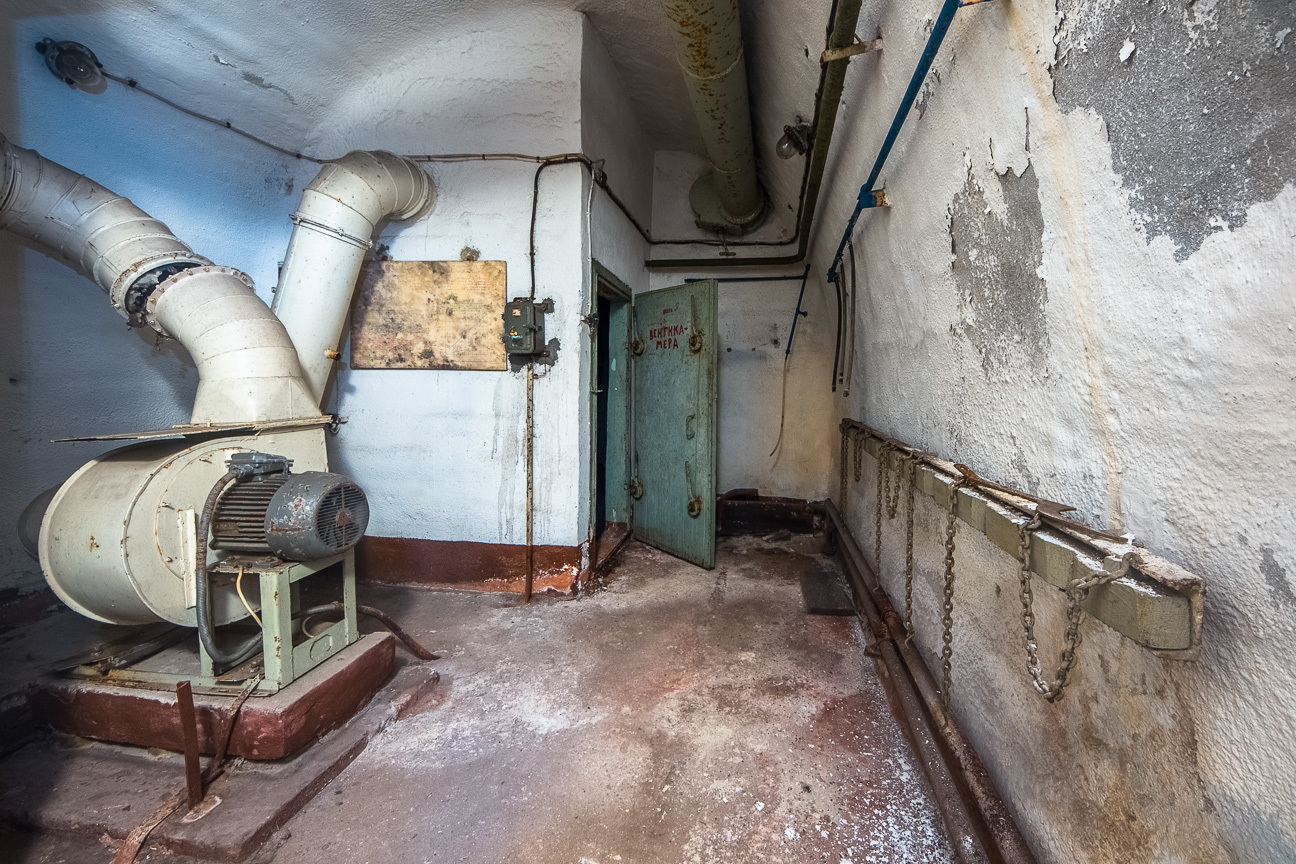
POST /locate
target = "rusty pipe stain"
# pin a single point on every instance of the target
(973, 780)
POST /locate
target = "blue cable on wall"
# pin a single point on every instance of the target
(869, 196)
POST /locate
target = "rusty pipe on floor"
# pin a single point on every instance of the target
(913, 676)
(958, 814)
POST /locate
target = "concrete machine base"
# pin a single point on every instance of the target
(270, 727)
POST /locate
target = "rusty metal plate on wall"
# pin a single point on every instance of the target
(429, 315)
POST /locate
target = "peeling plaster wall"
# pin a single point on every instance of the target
(1084, 288)
(440, 453)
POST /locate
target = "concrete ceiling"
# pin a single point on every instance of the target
(278, 67)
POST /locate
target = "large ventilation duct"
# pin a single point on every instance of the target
(125, 539)
(333, 228)
(247, 365)
(709, 50)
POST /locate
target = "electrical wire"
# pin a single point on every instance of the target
(224, 124)
(837, 346)
(600, 177)
(782, 406)
(337, 608)
(787, 354)
(206, 629)
(238, 586)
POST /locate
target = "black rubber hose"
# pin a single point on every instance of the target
(336, 608)
(837, 349)
(206, 634)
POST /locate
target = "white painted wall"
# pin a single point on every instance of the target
(1152, 387)
(755, 321)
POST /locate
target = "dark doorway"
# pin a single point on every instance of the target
(610, 415)
(604, 378)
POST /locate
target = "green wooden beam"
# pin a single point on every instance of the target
(1158, 604)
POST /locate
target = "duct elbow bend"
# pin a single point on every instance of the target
(334, 226)
(247, 364)
(374, 185)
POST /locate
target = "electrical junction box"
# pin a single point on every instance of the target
(524, 326)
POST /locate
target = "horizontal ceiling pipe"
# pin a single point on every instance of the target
(247, 365)
(709, 51)
(333, 228)
(832, 81)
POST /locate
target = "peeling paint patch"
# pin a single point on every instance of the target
(264, 85)
(1275, 576)
(995, 260)
(1198, 116)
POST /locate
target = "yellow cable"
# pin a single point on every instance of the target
(238, 585)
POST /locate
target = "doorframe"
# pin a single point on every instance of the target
(617, 289)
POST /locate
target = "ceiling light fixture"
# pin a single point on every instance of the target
(74, 64)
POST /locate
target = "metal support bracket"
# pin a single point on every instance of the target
(856, 47)
(1158, 605)
(286, 655)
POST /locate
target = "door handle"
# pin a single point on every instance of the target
(690, 426)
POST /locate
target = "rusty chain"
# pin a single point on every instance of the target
(947, 621)
(911, 464)
(883, 483)
(845, 456)
(1077, 591)
(885, 498)
(859, 453)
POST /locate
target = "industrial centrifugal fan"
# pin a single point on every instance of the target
(217, 524)
(203, 534)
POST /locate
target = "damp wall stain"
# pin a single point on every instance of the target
(1196, 97)
(995, 259)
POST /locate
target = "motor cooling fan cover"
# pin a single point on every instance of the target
(315, 515)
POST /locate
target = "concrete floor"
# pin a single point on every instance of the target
(673, 715)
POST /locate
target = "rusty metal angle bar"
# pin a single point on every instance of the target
(1157, 604)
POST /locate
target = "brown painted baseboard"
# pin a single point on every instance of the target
(464, 564)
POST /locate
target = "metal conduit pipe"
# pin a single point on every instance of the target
(247, 364)
(333, 228)
(869, 195)
(709, 50)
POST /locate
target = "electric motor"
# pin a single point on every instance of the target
(298, 517)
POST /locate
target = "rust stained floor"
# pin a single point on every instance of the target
(676, 715)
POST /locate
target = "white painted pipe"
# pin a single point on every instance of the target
(247, 364)
(334, 226)
(93, 230)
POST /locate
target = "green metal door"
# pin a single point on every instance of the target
(674, 424)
